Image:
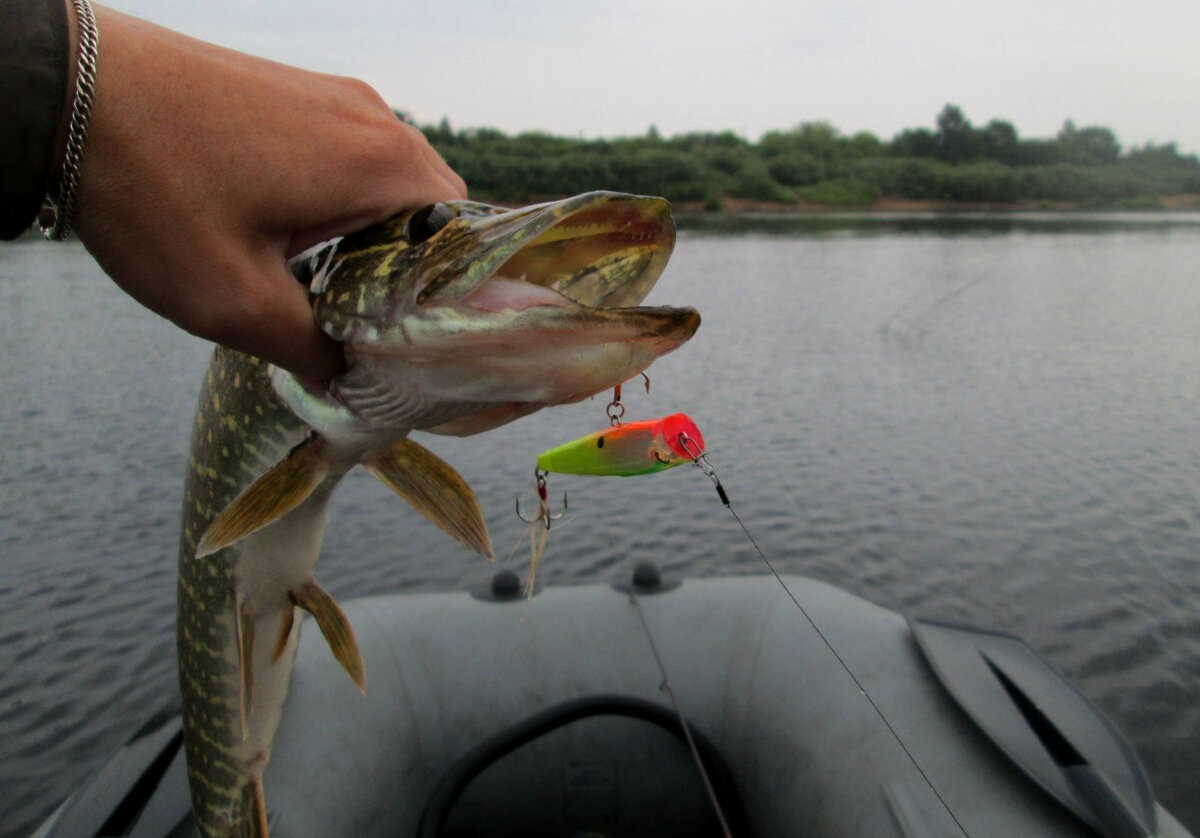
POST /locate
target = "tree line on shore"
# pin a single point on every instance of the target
(815, 164)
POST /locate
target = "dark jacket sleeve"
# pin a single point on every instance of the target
(33, 82)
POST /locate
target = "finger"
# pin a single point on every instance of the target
(437, 187)
(457, 184)
(436, 169)
(302, 240)
(289, 336)
(305, 350)
(453, 182)
(268, 315)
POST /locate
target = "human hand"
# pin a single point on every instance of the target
(205, 169)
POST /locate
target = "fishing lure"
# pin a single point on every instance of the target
(623, 450)
(626, 450)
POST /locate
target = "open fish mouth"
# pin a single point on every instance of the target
(463, 308)
(599, 250)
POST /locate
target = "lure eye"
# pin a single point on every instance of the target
(426, 221)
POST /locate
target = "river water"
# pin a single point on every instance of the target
(993, 419)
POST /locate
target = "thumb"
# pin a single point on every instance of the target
(271, 318)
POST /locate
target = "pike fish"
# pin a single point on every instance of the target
(455, 319)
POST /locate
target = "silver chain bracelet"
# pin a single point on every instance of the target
(81, 111)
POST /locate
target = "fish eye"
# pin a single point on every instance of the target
(426, 221)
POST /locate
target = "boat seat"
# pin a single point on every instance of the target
(591, 766)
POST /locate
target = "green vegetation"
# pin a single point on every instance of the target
(954, 162)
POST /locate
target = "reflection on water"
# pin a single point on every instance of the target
(933, 223)
(986, 419)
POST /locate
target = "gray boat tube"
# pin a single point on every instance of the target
(806, 751)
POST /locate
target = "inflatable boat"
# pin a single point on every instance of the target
(744, 706)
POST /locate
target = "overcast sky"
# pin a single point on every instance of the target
(615, 68)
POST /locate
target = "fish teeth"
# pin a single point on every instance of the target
(322, 272)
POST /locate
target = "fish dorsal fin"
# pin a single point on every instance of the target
(333, 624)
(277, 492)
(435, 489)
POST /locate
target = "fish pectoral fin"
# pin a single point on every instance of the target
(335, 627)
(277, 492)
(435, 490)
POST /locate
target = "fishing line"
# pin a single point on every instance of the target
(655, 445)
(700, 460)
(683, 723)
(665, 684)
(912, 329)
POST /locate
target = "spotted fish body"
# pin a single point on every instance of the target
(454, 319)
(241, 429)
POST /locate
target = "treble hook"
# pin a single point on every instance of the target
(543, 514)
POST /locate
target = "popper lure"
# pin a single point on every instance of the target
(623, 450)
(628, 450)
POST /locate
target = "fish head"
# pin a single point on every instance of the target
(461, 316)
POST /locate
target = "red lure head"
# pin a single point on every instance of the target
(677, 427)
